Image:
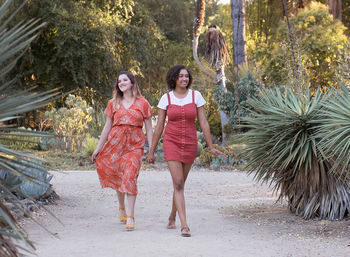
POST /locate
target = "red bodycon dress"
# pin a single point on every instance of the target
(180, 135)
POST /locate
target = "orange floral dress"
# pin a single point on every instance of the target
(118, 163)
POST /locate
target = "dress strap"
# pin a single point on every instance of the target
(169, 102)
(193, 96)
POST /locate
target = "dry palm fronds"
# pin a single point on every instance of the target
(216, 51)
(198, 22)
(7, 247)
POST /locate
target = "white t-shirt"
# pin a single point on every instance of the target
(198, 99)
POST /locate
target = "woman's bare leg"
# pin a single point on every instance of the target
(131, 207)
(178, 175)
(171, 225)
(121, 197)
(172, 216)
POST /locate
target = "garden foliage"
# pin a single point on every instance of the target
(19, 172)
(283, 147)
(248, 87)
(71, 122)
(207, 159)
(320, 44)
(334, 132)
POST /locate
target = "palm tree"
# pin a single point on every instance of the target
(216, 54)
(13, 43)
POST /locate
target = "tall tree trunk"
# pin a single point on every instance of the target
(335, 8)
(197, 26)
(239, 43)
(221, 83)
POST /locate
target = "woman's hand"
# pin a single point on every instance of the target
(217, 153)
(150, 158)
(94, 154)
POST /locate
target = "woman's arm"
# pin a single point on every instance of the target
(156, 135)
(203, 123)
(149, 131)
(103, 138)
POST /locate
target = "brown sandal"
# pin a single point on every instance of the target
(185, 232)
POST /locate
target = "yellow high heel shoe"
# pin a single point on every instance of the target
(130, 227)
(122, 218)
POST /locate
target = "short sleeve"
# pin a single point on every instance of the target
(163, 102)
(109, 109)
(146, 109)
(198, 98)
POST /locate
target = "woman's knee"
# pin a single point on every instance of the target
(179, 185)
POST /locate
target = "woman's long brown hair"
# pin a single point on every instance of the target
(118, 94)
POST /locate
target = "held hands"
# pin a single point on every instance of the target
(150, 158)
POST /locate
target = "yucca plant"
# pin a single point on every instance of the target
(13, 43)
(334, 132)
(282, 148)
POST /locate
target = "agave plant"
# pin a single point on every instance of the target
(13, 43)
(283, 149)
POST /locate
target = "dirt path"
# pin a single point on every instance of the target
(229, 215)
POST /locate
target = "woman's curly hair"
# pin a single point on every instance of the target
(173, 75)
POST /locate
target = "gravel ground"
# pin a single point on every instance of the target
(228, 213)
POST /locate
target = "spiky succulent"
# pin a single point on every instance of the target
(283, 149)
(13, 43)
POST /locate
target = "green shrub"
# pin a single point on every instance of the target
(96, 124)
(207, 159)
(71, 122)
(320, 41)
(215, 124)
(220, 161)
(199, 149)
(228, 130)
(206, 156)
(248, 87)
(89, 145)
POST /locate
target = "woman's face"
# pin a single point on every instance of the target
(124, 83)
(183, 79)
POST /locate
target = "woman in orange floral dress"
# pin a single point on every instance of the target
(121, 145)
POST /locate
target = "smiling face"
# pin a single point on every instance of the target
(183, 79)
(124, 83)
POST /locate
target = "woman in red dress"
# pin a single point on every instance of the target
(121, 145)
(182, 105)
